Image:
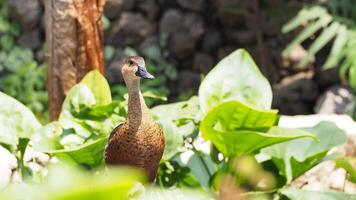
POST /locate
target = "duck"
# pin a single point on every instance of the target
(139, 141)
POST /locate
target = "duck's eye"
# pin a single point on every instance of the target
(130, 62)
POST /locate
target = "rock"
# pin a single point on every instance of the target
(196, 5)
(31, 39)
(212, 40)
(183, 31)
(194, 24)
(224, 51)
(26, 12)
(129, 29)
(203, 62)
(113, 71)
(113, 8)
(296, 94)
(241, 37)
(164, 4)
(188, 81)
(150, 48)
(297, 53)
(40, 56)
(181, 45)
(170, 21)
(231, 12)
(327, 78)
(336, 100)
(149, 7)
(293, 59)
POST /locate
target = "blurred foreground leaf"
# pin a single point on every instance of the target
(65, 183)
(300, 194)
(173, 194)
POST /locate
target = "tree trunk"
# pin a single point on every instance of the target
(74, 36)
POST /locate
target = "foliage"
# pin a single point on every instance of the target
(87, 118)
(204, 147)
(336, 20)
(222, 85)
(348, 164)
(299, 194)
(72, 183)
(296, 157)
(20, 75)
(237, 129)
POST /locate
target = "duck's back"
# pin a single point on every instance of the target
(141, 147)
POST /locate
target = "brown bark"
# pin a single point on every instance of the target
(74, 37)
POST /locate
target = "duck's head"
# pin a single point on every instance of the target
(134, 69)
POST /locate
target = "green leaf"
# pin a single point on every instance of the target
(48, 138)
(177, 121)
(348, 164)
(300, 194)
(109, 52)
(303, 16)
(222, 84)
(295, 157)
(312, 28)
(96, 112)
(66, 183)
(325, 37)
(336, 50)
(235, 128)
(173, 194)
(200, 166)
(99, 86)
(16, 121)
(89, 154)
(7, 42)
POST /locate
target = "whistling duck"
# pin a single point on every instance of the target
(138, 142)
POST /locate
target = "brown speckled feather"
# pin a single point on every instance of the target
(142, 149)
(138, 142)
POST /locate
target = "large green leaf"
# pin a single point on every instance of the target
(81, 113)
(295, 157)
(48, 138)
(236, 128)
(99, 86)
(177, 121)
(89, 154)
(88, 116)
(300, 194)
(65, 183)
(236, 77)
(16, 121)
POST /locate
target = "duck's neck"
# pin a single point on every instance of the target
(137, 109)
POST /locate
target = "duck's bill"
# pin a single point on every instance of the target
(143, 73)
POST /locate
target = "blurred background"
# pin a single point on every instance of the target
(182, 40)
